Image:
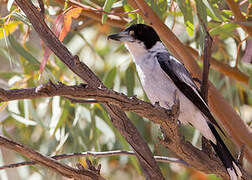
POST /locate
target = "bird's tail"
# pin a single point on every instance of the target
(225, 156)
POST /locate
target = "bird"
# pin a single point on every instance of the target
(161, 75)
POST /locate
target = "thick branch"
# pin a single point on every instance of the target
(118, 118)
(49, 162)
(229, 119)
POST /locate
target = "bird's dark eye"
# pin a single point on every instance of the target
(132, 33)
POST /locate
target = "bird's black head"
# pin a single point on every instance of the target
(137, 33)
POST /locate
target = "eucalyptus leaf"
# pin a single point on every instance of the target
(130, 80)
(214, 10)
(107, 6)
(110, 78)
(186, 9)
(201, 10)
(22, 52)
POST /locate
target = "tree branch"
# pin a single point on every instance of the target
(51, 163)
(118, 117)
(96, 155)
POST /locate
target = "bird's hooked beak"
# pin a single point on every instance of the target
(121, 36)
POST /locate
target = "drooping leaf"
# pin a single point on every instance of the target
(247, 23)
(22, 52)
(214, 10)
(107, 6)
(159, 7)
(186, 9)
(128, 8)
(57, 29)
(110, 78)
(73, 13)
(201, 10)
(250, 81)
(223, 29)
(8, 75)
(130, 80)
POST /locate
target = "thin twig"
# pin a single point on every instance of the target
(97, 155)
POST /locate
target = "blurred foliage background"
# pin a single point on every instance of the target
(56, 126)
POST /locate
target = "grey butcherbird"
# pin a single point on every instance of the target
(161, 74)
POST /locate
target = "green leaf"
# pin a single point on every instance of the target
(159, 7)
(107, 6)
(247, 23)
(8, 75)
(130, 80)
(250, 81)
(110, 78)
(201, 40)
(128, 8)
(223, 29)
(201, 10)
(186, 9)
(4, 53)
(214, 10)
(22, 52)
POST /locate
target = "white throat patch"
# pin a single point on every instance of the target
(138, 49)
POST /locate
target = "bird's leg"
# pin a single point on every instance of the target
(206, 147)
(157, 103)
(175, 107)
